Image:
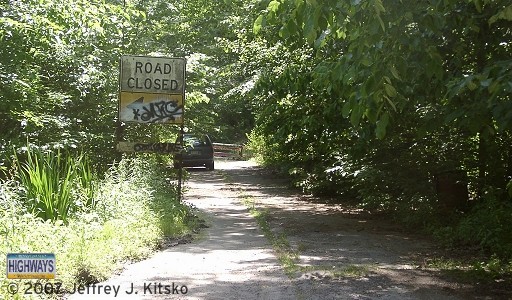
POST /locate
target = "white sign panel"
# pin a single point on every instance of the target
(145, 74)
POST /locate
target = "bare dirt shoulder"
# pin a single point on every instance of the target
(345, 253)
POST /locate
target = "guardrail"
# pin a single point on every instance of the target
(232, 151)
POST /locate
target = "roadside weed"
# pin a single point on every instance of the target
(54, 184)
(132, 210)
(284, 252)
(351, 270)
(474, 269)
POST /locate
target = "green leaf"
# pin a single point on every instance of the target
(435, 65)
(341, 34)
(505, 14)
(273, 6)
(494, 87)
(345, 111)
(390, 90)
(258, 24)
(365, 61)
(381, 23)
(356, 115)
(379, 7)
(391, 103)
(310, 31)
(382, 124)
(371, 115)
(288, 29)
(471, 85)
(394, 72)
(283, 32)
(478, 5)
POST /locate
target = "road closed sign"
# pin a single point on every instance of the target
(152, 89)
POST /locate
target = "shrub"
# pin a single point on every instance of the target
(488, 225)
(135, 207)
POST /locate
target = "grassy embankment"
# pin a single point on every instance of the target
(55, 204)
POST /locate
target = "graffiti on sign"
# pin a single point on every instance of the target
(151, 108)
(155, 112)
(166, 148)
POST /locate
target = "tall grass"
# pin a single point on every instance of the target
(49, 178)
(135, 206)
(87, 181)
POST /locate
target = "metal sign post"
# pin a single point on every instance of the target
(180, 170)
(152, 91)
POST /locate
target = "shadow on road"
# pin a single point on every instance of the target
(329, 237)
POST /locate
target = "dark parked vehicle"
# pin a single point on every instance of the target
(198, 152)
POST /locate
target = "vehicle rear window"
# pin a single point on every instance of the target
(196, 141)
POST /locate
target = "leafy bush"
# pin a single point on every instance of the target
(488, 225)
(262, 150)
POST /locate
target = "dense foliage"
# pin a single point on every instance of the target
(400, 104)
(58, 69)
(59, 65)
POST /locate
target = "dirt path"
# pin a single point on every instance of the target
(230, 260)
(342, 254)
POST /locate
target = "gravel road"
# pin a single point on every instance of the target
(231, 259)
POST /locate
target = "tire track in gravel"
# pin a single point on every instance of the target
(343, 253)
(232, 259)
